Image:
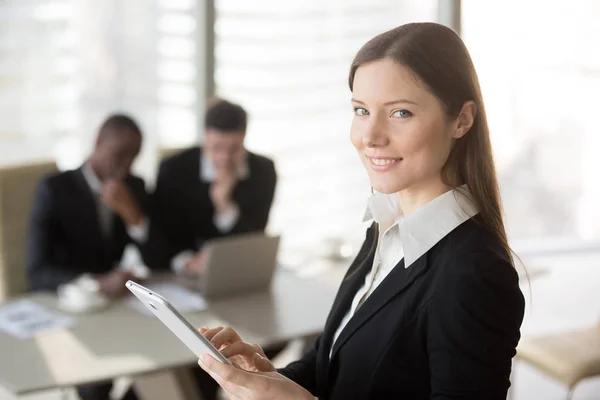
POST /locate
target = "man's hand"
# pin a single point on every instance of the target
(195, 266)
(118, 197)
(222, 189)
(112, 284)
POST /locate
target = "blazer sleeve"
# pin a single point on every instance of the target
(174, 227)
(44, 270)
(474, 321)
(254, 214)
(303, 371)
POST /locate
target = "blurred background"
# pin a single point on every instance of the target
(66, 64)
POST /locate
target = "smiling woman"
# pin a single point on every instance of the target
(400, 141)
(431, 307)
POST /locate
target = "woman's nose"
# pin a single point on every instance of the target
(375, 135)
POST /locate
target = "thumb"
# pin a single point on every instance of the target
(262, 363)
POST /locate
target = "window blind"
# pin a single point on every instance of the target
(287, 63)
(64, 65)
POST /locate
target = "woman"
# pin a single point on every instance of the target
(431, 307)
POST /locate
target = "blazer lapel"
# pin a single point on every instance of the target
(119, 237)
(346, 294)
(89, 206)
(383, 294)
(354, 279)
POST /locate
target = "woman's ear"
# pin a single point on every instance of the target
(465, 119)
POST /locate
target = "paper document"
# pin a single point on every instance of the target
(182, 299)
(24, 319)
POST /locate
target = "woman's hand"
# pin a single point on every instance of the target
(249, 357)
(240, 384)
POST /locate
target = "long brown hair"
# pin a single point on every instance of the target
(437, 56)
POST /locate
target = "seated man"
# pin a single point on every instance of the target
(211, 191)
(83, 219)
(215, 190)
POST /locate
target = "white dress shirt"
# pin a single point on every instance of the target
(407, 237)
(138, 232)
(223, 221)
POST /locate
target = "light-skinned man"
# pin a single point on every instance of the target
(216, 190)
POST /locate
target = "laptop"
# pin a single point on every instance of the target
(238, 264)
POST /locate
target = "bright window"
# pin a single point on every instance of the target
(65, 65)
(540, 74)
(287, 63)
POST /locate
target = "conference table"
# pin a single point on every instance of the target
(120, 341)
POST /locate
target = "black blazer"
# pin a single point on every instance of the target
(65, 238)
(185, 211)
(445, 328)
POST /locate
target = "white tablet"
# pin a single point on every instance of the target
(169, 316)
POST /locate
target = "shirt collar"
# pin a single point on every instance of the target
(92, 180)
(208, 173)
(425, 227)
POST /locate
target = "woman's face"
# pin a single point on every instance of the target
(400, 130)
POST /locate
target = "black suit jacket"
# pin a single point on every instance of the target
(65, 238)
(185, 210)
(447, 329)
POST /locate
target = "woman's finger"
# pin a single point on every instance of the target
(239, 348)
(233, 380)
(227, 335)
(210, 333)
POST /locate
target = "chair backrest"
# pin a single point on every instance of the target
(17, 186)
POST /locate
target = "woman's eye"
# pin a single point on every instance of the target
(402, 114)
(360, 111)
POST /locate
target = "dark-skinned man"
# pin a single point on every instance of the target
(82, 220)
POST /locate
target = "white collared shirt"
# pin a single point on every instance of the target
(223, 221)
(407, 237)
(138, 232)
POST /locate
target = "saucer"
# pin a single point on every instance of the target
(91, 305)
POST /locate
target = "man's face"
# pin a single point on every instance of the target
(116, 151)
(224, 149)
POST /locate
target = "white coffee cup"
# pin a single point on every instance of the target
(80, 296)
